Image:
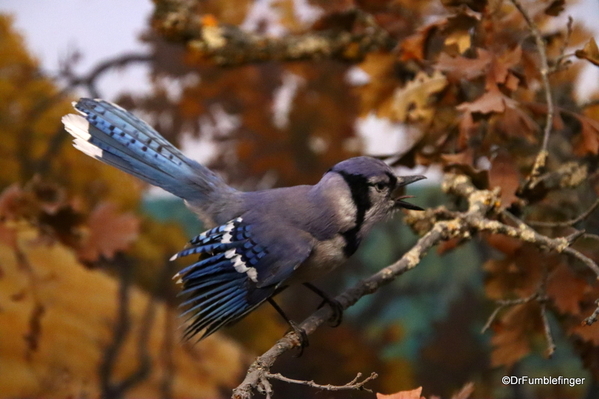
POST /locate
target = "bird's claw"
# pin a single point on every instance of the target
(337, 316)
(302, 337)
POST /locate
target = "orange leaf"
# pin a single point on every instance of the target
(587, 333)
(566, 290)
(413, 394)
(511, 339)
(588, 141)
(449, 245)
(507, 245)
(504, 174)
(109, 232)
(413, 46)
(209, 20)
(589, 52)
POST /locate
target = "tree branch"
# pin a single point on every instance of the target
(353, 385)
(227, 45)
(566, 223)
(543, 154)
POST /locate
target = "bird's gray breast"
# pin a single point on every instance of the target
(326, 255)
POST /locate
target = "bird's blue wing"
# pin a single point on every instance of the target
(237, 270)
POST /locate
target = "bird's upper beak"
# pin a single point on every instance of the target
(403, 181)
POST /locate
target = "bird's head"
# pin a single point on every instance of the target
(376, 191)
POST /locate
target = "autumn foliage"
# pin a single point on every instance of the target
(485, 90)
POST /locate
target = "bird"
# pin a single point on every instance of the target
(259, 242)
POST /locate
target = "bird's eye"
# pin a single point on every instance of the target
(380, 186)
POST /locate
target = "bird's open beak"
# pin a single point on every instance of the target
(403, 181)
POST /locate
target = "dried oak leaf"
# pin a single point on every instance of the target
(411, 102)
(588, 140)
(511, 338)
(505, 244)
(492, 101)
(518, 274)
(566, 290)
(109, 232)
(515, 123)
(377, 93)
(458, 68)
(589, 52)
(504, 174)
(587, 333)
(414, 46)
(499, 68)
(413, 394)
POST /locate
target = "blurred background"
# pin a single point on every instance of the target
(87, 306)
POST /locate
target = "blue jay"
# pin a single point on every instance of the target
(263, 240)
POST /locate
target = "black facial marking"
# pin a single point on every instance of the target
(392, 180)
(352, 241)
(358, 186)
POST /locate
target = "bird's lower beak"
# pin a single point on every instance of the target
(403, 181)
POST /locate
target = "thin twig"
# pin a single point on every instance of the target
(541, 158)
(559, 65)
(593, 317)
(547, 329)
(354, 384)
(504, 303)
(566, 223)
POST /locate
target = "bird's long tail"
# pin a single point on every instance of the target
(115, 136)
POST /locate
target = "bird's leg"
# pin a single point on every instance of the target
(337, 316)
(301, 334)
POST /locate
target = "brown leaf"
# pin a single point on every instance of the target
(504, 174)
(464, 68)
(412, 101)
(414, 46)
(492, 101)
(377, 93)
(507, 245)
(511, 338)
(515, 123)
(413, 394)
(589, 52)
(465, 157)
(555, 8)
(109, 232)
(449, 245)
(500, 66)
(512, 82)
(587, 333)
(588, 140)
(518, 275)
(566, 290)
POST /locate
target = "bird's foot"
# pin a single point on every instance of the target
(337, 316)
(302, 337)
